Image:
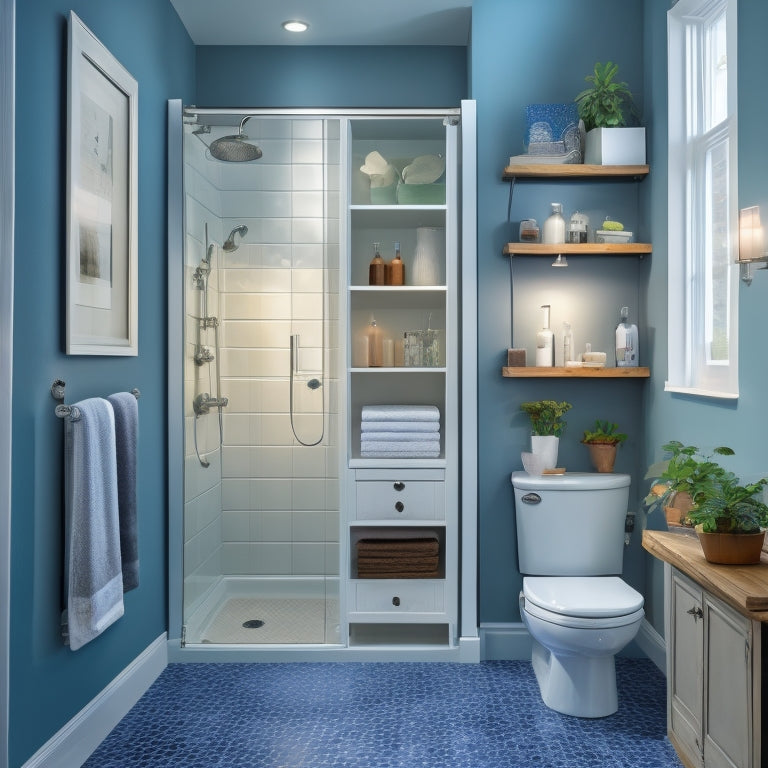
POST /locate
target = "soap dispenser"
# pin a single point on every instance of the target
(545, 342)
(627, 352)
(376, 269)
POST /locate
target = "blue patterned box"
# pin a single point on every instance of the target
(551, 128)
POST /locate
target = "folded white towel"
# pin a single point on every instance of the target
(94, 579)
(401, 447)
(398, 437)
(400, 413)
(400, 454)
(400, 426)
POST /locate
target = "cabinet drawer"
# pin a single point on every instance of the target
(399, 500)
(397, 596)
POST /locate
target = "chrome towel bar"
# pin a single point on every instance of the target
(71, 411)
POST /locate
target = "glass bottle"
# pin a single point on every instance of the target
(376, 270)
(553, 230)
(545, 342)
(375, 345)
(396, 269)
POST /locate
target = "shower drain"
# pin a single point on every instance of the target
(253, 623)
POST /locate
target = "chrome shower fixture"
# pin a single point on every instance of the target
(236, 148)
(230, 244)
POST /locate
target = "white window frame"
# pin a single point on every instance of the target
(689, 368)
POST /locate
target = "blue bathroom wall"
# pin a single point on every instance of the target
(50, 684)
(707, 422)
(331, 76)
(527, 52)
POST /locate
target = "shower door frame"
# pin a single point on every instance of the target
(469, 642)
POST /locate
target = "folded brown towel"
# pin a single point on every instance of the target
(400, 575)
(390, 547)
(384, 565)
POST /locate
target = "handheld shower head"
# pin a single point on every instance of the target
(229, 243)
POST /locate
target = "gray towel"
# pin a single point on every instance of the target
(94, 579)
(126, 411)
(400, 413)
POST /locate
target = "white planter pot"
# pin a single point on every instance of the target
(615, 146)
(546, 446)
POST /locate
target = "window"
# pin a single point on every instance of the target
(703, 215)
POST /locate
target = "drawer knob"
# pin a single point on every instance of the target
(395, 600)
(399, 506)
(398, 486)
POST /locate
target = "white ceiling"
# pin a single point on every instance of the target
(331, 22)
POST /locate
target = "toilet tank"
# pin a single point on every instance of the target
(571, 524)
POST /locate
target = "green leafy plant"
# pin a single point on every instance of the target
(604, 432)
(720, 502)
(603, 105)
(546, 416)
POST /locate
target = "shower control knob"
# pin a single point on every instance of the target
(399, 506)
(398, 486)
(396, 601)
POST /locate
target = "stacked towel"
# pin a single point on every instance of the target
(413, 558)
(94, 579)
(400, 431)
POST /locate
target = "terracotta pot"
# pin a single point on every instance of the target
(679, 507)
(603, 456)
(732, 548)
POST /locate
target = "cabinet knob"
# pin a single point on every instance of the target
(398, 486)
(695, 612)
(399, 506)
(395, 600)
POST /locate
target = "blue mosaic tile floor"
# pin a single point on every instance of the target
(382, 715)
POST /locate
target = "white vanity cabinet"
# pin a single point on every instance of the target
(714, 678)
(402, 497)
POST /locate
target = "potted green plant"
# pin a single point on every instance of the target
(547, 424)
(602, 442)
(728, 516)
(603, 107)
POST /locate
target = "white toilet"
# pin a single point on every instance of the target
(570, 544)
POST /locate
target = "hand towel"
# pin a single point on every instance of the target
(400, 426)
(94, 580)
(126, 409)
(400, 447)
(399, 437)
(400, 413)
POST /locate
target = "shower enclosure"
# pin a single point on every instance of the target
(260, 379)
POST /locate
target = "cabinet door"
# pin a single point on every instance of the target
(686, 672)
(728, 733)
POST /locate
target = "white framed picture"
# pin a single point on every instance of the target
(102, 200)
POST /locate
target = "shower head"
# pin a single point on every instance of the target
(236, 148)
(229, 243)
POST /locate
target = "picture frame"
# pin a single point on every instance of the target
(102, 199)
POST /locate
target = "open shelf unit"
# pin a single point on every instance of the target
(572, 170)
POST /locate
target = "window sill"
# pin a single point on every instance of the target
(701, 392)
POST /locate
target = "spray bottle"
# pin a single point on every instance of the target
(627, 350)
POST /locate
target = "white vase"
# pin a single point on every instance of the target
(429, 259)
(546, 446)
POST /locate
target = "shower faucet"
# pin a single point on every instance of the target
(203, 403)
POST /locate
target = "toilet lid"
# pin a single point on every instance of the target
(583, 596)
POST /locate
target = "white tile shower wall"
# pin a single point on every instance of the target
(280, 499)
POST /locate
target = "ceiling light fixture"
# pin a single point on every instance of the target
(295, 26)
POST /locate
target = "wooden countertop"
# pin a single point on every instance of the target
(745, 587)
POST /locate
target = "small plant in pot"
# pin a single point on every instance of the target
(604, 106)
(547, 424)
(603, 441)
(729, 517)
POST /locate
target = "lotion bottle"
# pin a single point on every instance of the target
(627, 352)
(553, 230)
(567, 343)
(545, 342)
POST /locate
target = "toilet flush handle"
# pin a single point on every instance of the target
(531, 498)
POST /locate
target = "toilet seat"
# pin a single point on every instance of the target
(582, 601)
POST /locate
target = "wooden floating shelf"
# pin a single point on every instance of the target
(576, 249)
(572, 170)
(575, 372)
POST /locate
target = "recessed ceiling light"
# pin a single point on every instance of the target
(295, 26)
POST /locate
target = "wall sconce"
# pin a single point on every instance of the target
(751, 242)
(560, 261)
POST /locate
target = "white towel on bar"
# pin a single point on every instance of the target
(400, 413)
(399, 437)
(94, 579)
(394, 446)
(400, 426)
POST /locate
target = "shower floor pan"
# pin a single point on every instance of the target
(268, 611)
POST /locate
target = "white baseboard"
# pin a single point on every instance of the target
(500, 641)
(653, 646)
(73, 744)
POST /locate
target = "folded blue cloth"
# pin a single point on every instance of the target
(400, 426)
(126, 411)
(94, 580)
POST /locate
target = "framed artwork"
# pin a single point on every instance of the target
(102, 200)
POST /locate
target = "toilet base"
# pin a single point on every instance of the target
(582, 686)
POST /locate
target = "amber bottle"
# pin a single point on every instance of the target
(376, 270)
(396, 269)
